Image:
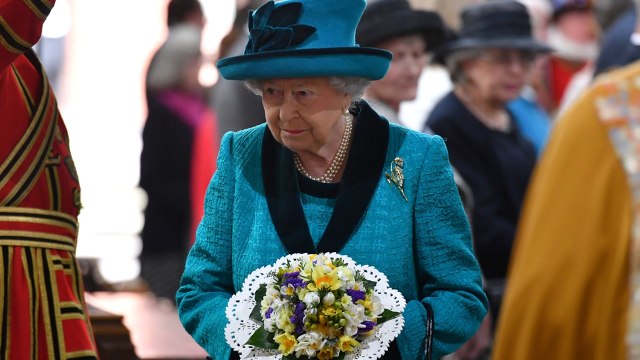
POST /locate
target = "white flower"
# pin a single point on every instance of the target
(270, 324)
(271, 296)
(344, 274)
(329, 299)
(309, 344)
(321, 259)
(354, 314)
(283, 322)
(376, 306)
(311, 299)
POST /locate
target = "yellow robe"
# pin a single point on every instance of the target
(568, 295)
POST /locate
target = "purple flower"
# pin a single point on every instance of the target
(298, 317)
(368, 326)
(356, 295)
(292, 279)
(267, 314)
(300, 307)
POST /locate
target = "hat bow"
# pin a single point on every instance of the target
(272, 28)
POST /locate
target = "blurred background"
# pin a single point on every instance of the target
(97, 66)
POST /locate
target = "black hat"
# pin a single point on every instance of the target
(499, 24)
(387, 19)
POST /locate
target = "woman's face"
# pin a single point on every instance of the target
(304, 114)
(401, 81)
(498, 75)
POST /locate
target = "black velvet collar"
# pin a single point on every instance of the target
(362, 173)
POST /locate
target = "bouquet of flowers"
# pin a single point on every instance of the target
(314, 307)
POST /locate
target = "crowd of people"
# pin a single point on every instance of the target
(511, 226)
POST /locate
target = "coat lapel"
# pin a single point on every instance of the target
(359, 182)
(283, 196)
(360, 178)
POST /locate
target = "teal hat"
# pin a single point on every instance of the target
(305, 38)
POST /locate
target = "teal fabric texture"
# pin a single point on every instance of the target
(423, 244)
(305, 38)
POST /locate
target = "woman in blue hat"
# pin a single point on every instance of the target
(327, 174)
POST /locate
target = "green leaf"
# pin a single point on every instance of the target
(255, 313)
(369, 284)
(263, 339)
(341, 356)
(291, 356)
(387, 315)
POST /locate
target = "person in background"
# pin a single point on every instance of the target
(179, 13)
(180, 144)
(619, 44)
(237, 108)
(408, 34)
(574, 277)
(43, 314)
(489, 64)
(608, 11)
(532, 118)
(434, 82)
(574, 34)
(326, 173)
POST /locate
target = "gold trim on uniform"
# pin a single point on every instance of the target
(32, 293)
(26, 96)
(34, 167)
(6, 297)
(55, 296)
(42, 16)
(41, 240)
(14, 37)
(18, 149)
(33, 220)
(80, 354)
(35, 126)
(26, 211)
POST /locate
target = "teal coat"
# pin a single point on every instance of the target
(254, 215)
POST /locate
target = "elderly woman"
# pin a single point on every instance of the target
(489, 64)
(408, 34)
(314, 179)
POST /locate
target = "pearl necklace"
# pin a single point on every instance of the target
(338, 158)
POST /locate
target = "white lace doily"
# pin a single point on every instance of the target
(241, 327)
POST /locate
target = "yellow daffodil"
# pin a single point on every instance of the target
(287, 343)
(326, 353)
(347, 343)
(329, 311)
(324, 280)
(366, 302)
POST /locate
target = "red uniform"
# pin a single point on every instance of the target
(42, 310)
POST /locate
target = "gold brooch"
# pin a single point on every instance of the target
(397, 176)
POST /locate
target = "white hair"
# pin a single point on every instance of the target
(454, 62)
(353, 86)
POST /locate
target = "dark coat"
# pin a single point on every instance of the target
(165, 175)
(497, 167)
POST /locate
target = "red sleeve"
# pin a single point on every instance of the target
(205, 152)
(20, 26)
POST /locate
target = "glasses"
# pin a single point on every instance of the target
(509, 57)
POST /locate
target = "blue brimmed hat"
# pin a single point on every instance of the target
(305, 38)
(499, 24)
